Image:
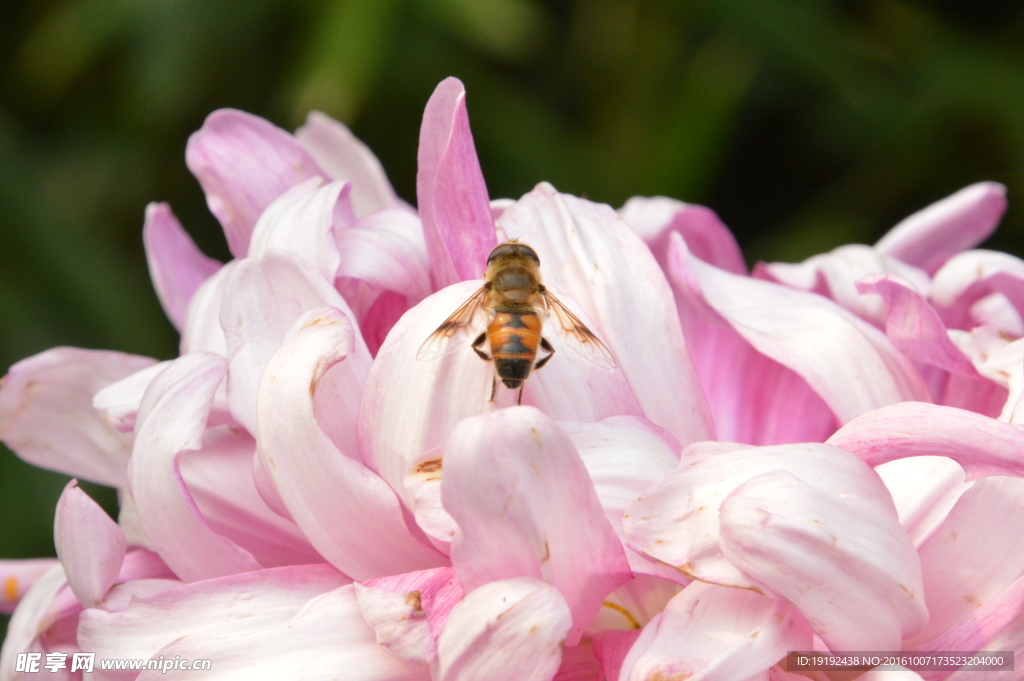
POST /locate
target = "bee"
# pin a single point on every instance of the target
(513, 300)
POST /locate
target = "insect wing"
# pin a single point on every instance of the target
(457, 329)
(576, 334)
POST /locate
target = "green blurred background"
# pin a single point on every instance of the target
(805, 123)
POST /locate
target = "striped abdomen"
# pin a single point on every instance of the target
(514, 337)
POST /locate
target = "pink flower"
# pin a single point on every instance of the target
(807, 458)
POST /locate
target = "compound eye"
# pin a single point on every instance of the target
(500, 251)
(527, 251)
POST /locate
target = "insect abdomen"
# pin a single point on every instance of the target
(514, 338)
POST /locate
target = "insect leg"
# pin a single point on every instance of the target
(494, 387)
(520, 400)
(480, 341)
(551, 352)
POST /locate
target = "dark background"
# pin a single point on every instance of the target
(805, 123)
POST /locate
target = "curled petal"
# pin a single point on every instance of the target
(243, 163)
(969, 277)
(924, 489)
(348, 512)
(508, 630)
(344, 157)
(712, 633)
(119, 402)
(37, 612)
(203, 332)
(17, 577)
(450, 190)
(172, 420)
(525, 506)
(47, 417)
(176, 265)
(89, 544)
(960, 221)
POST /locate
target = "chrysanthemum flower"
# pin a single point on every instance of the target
(823, 456)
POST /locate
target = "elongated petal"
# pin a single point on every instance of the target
(450, 189)
(325, 639)
(971, 559)
(32, 617)
(171, 421)
(243, 163)
(47, 417)
(225, 606)
(119, 402)
(611, 646)
(707, 237)
(677, 520)
(914, 326)
(924, 489)
(176, 265)
(344, 157)
(588, 253)
(982, 445)
(203, 332)
(408, 612)
(848, 362)
(960, 221)
(348, 512)
(511, 630)
(17, 577)
(89, 544)
(970, 276)
(712, 633)
(526, 507)
(262, 300)
(842, 559)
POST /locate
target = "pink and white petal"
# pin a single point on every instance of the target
(31, 618)
(982, 445)
(325, 638)
(262, 300)
(243, 163)
(578, 664)
(387, 251)
(344, 157)
(842, 559)
(172, 420)
(119, 402)
(47, 417)
(960, 221)
(972, 275)
(202, 332)
(998, 311)
(89, 544)
(301, 222)
(512, 629)
(526, 507)
(17, 577)
(979, 395)
(677, 522)
(226, 606)
(713, 633)
(913, 326)
(176, 265)
(611, 646)
(707, 237)
(970, 559)
(924, 489)
(348, 512)
(408, 612)
(848, 362)
(423, 484)
(599, 262)
(451, 191)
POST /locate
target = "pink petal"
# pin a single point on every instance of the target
(262, 300)
(227, 606)
(47, 417)
(119, 402)
(526, 507)
(202, 332)
(511, 630)
(89, 544)
(969, 277)
(589, 254)
(717, 634)
(611, 647)
(707, 237)
(983, 446)
(960, 221)
(450, 189)
(349, 514)
(31, 619)
(970, 559)
(243, 163)
(17, 577)
(914, 326)
(848, 362)
(924, 489)
(408, 611)
(344, 157)
(176, 265)
(325, 639)
(840, 556)
(171, 421)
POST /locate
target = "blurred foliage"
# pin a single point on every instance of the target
(804, 123)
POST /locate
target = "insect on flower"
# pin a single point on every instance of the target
(512, 300)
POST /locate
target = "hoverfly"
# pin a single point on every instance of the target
(512, 298)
